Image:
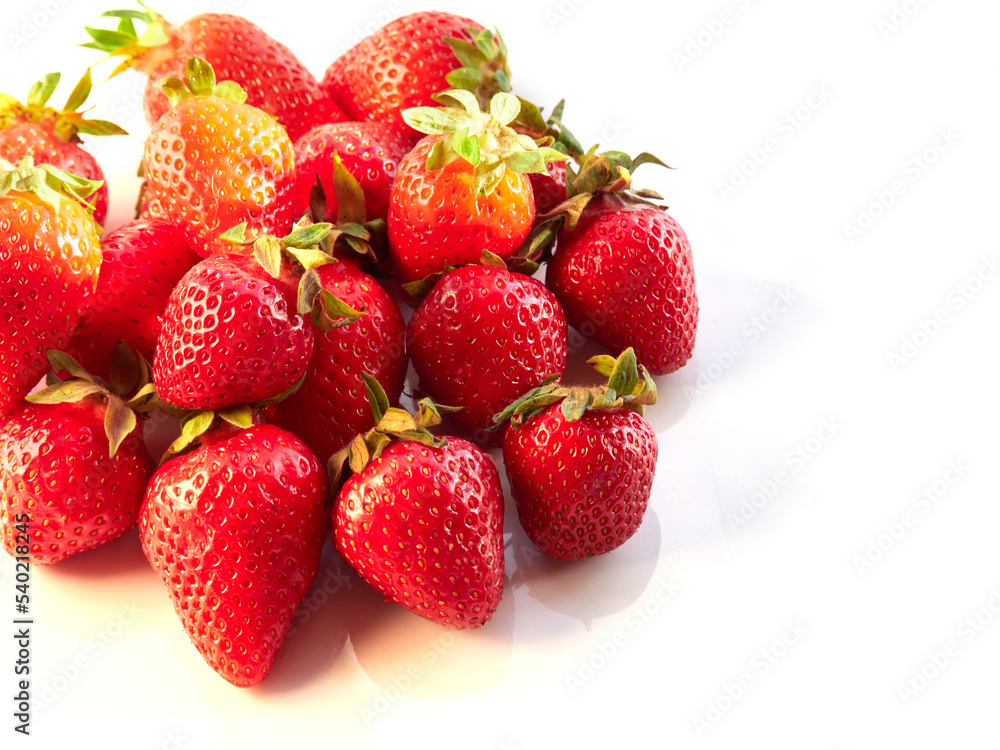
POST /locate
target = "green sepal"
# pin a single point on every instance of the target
(50, 184)
(377, 397)
(237, 416)
(199, 80)
(193, 426)
(66, 392)
(267, 252)
(119, 421)
(41, 91)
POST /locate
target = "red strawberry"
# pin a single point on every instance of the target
(331, 406)
(213, 161)
(482, 338)
(65, 485)
(142, 262)
(235, 529)
(273, 77)
(422, 518)
(367, 151)
(52, 136)
(401, 65)
(50, 255)
(458, 195)
(581, 461)
(549, 188)
(231, 335)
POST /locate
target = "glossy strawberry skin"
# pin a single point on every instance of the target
(211, 163)
(55, 468)
(424, 526)
(49, 264)
(549, 187)
(368, 153)
(401, 65)
(435, 218)
(238, 50)
(230, 336)
(36, 140)
(331, 406)
(482, 338)
(143, 260)
(581, 488)
(235, 530)
(625, 278)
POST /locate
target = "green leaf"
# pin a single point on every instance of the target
(502, 80)
(464, 78)
(525, 162)
(124, 368)
(435, 120)
(575, 405)
(487, 176)
(154, 36)
(236, 235)
(358, 455)
(396, 420)
(467, 99)
(68, 391)
(200, 76)
(175, 90)
(109, 41)
(492, 260)
(530, 117)
(98, 127)
(309, 288)
(310, 259)
(237, 416)
(80, 93)
(337, 308)
(467, 146)
(267, 251)
(350, 196)
(138, 15)
(442, 154)
(62, 361)
(119, 421)
(230, 90)
(141, 396)
(645, 158)
(625, 376)
(308, 237)
(41, 91)
(505, 107)
(377, 398)
(468, 54)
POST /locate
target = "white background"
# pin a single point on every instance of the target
(765, 601)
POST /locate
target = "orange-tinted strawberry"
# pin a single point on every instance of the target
(421, 519)
(273, 77)
(235, 529)
(143, 260)
(580, 461)
(52, 136)
(214, 161)
(50, 255)
(401, 65)
(463, 190)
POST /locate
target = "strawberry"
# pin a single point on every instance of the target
(331, 406)
(549, 188)
(214, 161)
(52, 136)
(462, 190)
(421, 518)
(622, 266)
(581, 461)
(273, 77)
(235, 529)
(143, 260)
(367, 150)
(50, 255)
(73, 467)
(399, 66)
(483, 337)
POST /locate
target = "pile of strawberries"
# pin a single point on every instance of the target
(242, 305)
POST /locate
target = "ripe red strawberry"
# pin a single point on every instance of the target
(463, 191)
(421, 519)
(549, 188)
(331, 405)
(214, 161)
(235, 529)
(50, 255)
(65, 485)
(143, 260)
(401, 65)
(52, 136)
(482, 338)
(581, 461)
(273, 77)
(230, 336)
(367, 150)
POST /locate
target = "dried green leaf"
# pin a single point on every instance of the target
(377, 398)
(119, 421)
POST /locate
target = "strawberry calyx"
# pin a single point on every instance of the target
(128, 395)
(484, 70)
(485, 139)
(199, 80)
(301, 247)
(50, 184)
(351, 235)
(143, 52)
(420, 288)
(391, 424)
(66, 123)
(629, 386)
(609, 172)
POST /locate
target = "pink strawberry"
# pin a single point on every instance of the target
(421, 519)
(50, 255)
(73, 468)
(482, 338)
(235, 529)
(273, 77)
(52, 136)
(581, 461)
(143, 260)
